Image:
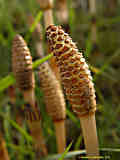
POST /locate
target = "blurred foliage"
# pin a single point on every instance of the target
(103, 58)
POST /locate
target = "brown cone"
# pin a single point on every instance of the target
(74, 71)
(22, 64)
(53, 95)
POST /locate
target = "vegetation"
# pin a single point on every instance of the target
(102, 53)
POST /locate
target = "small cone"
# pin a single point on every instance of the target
(22, 64)
(54, 98)
(55, 104)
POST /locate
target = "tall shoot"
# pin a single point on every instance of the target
(77, 82)
(22, 69)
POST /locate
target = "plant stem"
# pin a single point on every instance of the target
(92, 4)
(35, 124)
(62, 11)
(88, 125)
(48, 17)
(48, 20)
(36, 133)
(60, 135)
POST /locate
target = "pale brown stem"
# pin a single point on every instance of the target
(60, 135)
(3, 151)
(48, 17)
(88, 124)
(62, 11)
(48, 20)
(92, 6)
(35, 125)
(36, 133)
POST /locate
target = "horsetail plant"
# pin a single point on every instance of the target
(77, 82)
(47, 6)
(55, 104)
(54, 99)
(22, 69)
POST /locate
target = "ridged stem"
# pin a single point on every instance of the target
(48, 17)
(60, 135)
(92, 8)
(48, 20)
(35, 125)
(88, 124)
(62, 11)
(36, 133)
